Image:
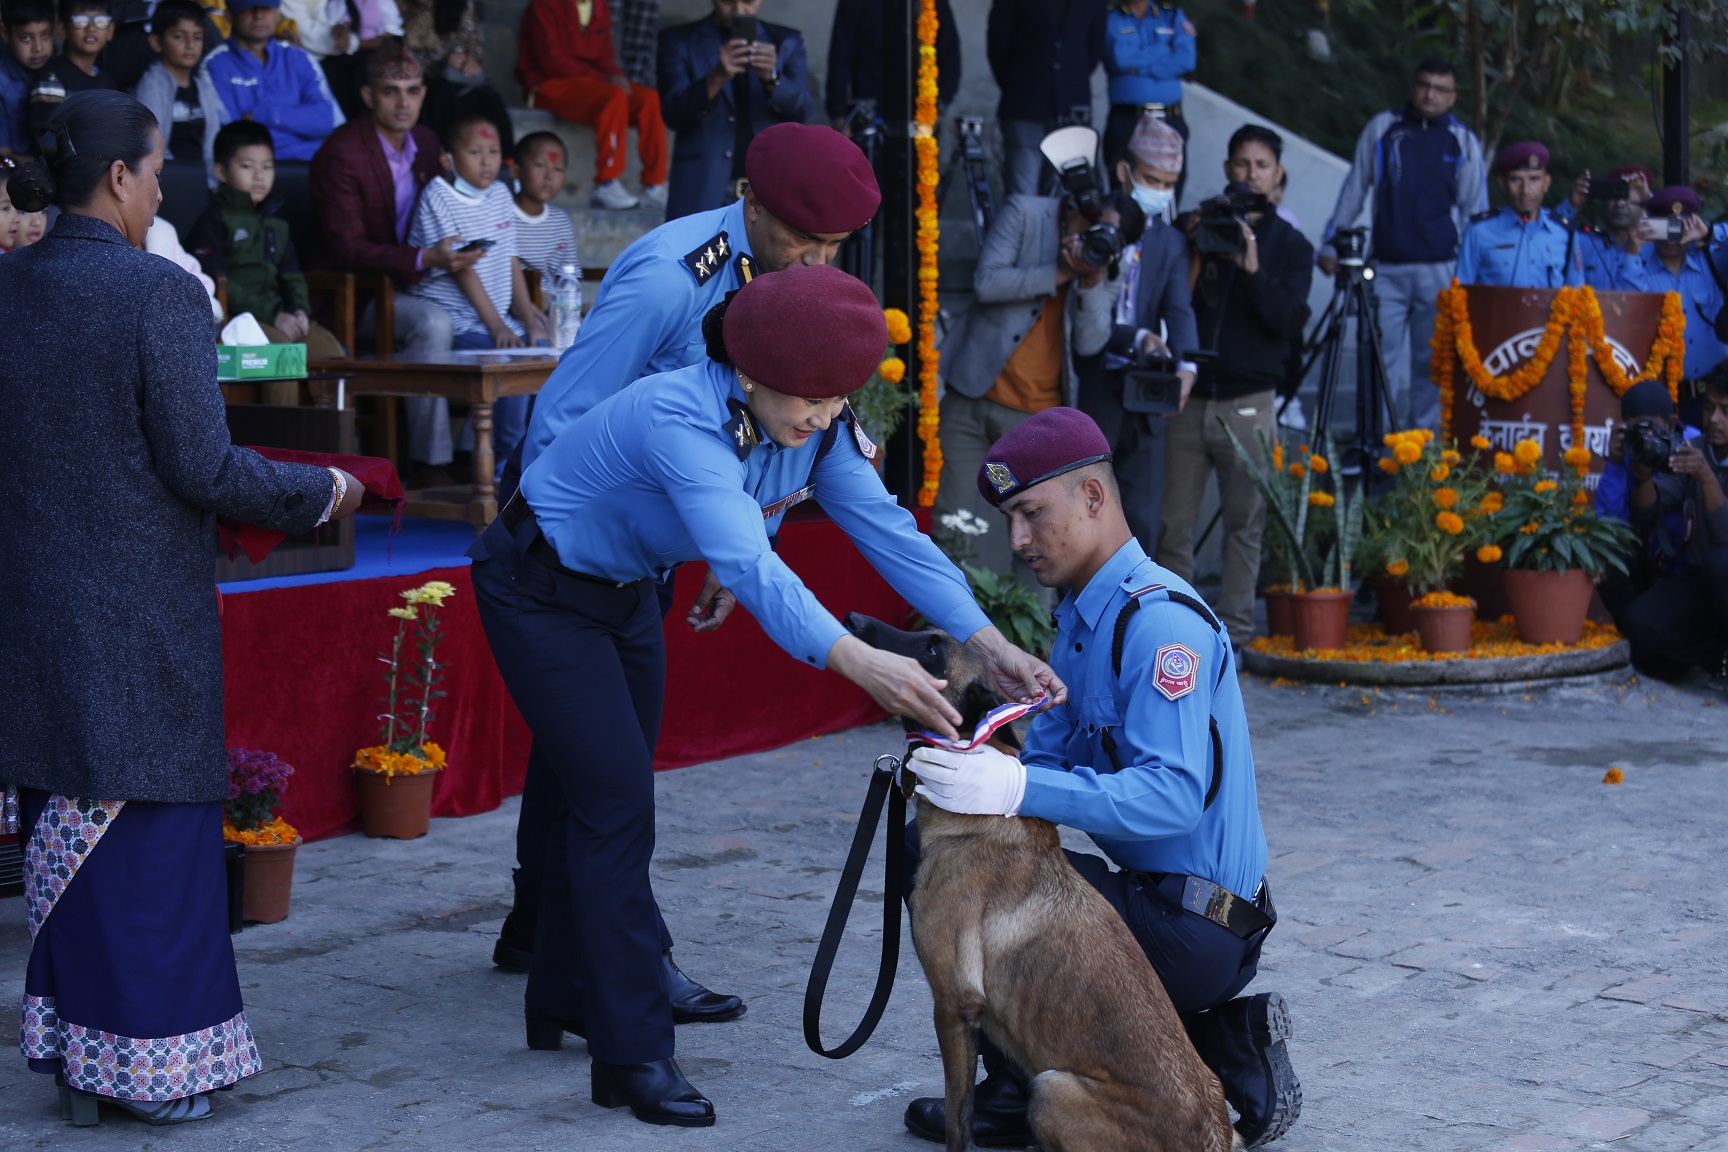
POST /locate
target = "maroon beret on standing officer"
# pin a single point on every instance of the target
(812, 178)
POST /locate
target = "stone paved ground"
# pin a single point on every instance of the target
(1483, 945)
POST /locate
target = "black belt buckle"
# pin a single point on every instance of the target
(1223, 907)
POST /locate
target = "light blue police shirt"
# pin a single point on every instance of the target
(1699, 292)
(1505, 250)
(1150, 816)
(655, 476)
(647, 317)
(1146, 59)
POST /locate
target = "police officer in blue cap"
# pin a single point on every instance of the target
(699, 463)
(1520, 245)
(1150, 756)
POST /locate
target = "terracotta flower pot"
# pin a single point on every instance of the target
(269, 881)
(1486, 584)
(1319, 619)
(1393, 597)
(395, 807)
(1444, 629)
(1549, 607)
(1278, 612)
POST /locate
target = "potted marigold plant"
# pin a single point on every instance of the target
(395, 777)
(1555, 546)
(255, 784)
(1285, 488)
(1435, 517)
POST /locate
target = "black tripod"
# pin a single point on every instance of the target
(972, 163)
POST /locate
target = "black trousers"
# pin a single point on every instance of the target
(586, 666)
(1679, 621)
(1136, 445)
(1119, 125)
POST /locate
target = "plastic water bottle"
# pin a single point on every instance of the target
(566, 307)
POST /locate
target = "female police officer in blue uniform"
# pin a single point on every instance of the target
(699, 463)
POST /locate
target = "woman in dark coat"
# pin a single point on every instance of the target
(114, 444)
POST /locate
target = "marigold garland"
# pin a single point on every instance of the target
(927, 235)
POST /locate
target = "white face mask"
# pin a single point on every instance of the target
(1153, 201)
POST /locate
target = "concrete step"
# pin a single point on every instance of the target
(600, 234)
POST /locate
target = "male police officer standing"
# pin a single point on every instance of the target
(1150, 756)
(1522, 245)
(810, 187)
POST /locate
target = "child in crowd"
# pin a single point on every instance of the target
(545, 239)
(179, 92)
(237, 237)
(86, 26)
(29, 47)
(32, 226)
(488, 303)
(9, 216)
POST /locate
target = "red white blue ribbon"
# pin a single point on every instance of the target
(993, 721)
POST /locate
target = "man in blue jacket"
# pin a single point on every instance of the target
(276, 84)
(718, 89)
(1422, 170)
(1148, 48)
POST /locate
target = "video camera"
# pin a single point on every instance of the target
(1351, 245)
(1649, 443)
(1218, 227)
(1150, 385)
(1070, 151)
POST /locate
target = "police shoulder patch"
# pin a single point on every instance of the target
(1176, 670)
(865, 445)
(708, 257)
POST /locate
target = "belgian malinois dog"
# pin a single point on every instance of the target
(1014, 941)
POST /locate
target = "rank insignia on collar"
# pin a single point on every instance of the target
(708, 258)
(746, 268)
(864, 443)
(742, 428)
(999, 476)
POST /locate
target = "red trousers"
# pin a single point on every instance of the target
(611, 111)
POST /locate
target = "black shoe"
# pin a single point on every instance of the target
(998, 1116)
(656, 1092)
(1245, 1042)
(546, 1033)
(514, 951)
(694, 1004)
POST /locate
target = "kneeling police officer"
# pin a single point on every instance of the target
(1149, 755)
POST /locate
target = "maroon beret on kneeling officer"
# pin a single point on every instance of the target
(812, 178)
(1050, 443)
(810, 331)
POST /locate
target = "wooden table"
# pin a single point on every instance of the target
(480, 379)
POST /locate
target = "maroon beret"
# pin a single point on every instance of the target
(1627, 171)
(1674, 200)
(1054, 441)
(810, 331)
(812, 178)
(1530, 154)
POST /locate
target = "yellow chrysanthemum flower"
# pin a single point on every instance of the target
(407, 613)
(1527, 452)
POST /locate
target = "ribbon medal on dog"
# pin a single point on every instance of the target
(993, 721)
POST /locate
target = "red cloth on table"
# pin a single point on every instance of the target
(383, 491)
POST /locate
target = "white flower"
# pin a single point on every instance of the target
(965, 523)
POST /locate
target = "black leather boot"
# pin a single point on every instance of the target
(1245, 1042)
(656, 1092)
(515, 948)
(546, 1033)
(998, 1115)
(694, 1004)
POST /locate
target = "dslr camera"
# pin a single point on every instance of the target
(1218, 228)
(1649, 443)
(1150, 385)
(1070, 151)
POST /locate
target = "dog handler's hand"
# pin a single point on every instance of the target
(1019, 675)
(713, 605)
(898, 684)
(983, 782)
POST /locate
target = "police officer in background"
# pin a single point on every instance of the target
(1683, 265)
(699, 463)
(1149, 46)
(1149, 756)
(1521, 245)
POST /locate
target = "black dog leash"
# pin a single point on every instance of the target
(883, 787)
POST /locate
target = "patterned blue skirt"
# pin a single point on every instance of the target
(131, 990)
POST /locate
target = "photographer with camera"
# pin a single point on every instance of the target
(1250, 273)
(1622, 195)
(1674, 259)
(1521, 245)
(1423, 171)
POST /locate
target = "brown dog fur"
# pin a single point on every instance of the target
(1015, 942)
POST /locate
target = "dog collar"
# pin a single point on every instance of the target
(994, 720)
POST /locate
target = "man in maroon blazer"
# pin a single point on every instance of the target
(365, 180)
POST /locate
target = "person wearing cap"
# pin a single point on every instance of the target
(1520, 245)
(1149, 756)
(278, 85)
(1421, 168)
(721, 85)
(1684, 265)
(1148, 47)
(696, 464)
(1604, 250)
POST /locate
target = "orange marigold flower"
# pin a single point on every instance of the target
(1318, 499)
(1406, 452)
(1277, 457)
(1451, 456)
(1493, 502)
(1397, 567)
(1613, 776)
(1388, 465)
(1445, 497)
(899, 326)
(1481, 443)
(1450, 523)
(1443, 600)
(1531, 528)
(1439, 472)
(1577, 456)
(893, 369)
(1318, 464)
(1527, 452)
(1504, 464)
(1488, 553)
(1546, 485)
(1580, 498)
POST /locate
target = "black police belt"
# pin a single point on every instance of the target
(1162, 111)
(516, 513)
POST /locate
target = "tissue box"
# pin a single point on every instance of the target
(260, 361)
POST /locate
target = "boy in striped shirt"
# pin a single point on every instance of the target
(545, 238)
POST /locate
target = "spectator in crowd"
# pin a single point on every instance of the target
(176, 89)
(1152, 295)
(128, 54)
(32, 226)
(1521, 245)
(566, 65)
(1661, 551)
(275, 84)
(1040, 307)
(1149, 46)
(162, 239)
(1250, 308)
(636, 24)
(1423, 172)
(1042, 56)
(238, 237)
(855, 59)
(545, 238)
(1682, 266)
(9, 216)
(1604, 250)
(447, 38)
(325, 29)
(364, 184)
(85, 29)
(721, 84)
(488, 303)
(29, 28)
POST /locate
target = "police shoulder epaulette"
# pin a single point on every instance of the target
(708, 257)
(741, 428)
(1488, 215)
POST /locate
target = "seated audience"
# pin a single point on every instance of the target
(9, 216)
(717, 90)
(364, 183)
(447, 38)
(566, 65)
(1682, 266)
(545, 239)
(29, 28)
(175, 88)
(32, 226)
(162, 240)
(1520, 245)
(85, 29)
(237, 237)
(488, 303)
(275, 84)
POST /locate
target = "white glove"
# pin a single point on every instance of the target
(984, 782)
